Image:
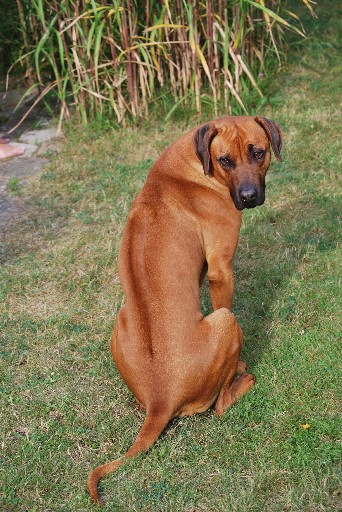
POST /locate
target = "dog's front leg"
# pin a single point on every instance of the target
(221, 281)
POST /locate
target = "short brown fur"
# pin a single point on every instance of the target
(186, 221)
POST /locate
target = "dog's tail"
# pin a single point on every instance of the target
(153, 426)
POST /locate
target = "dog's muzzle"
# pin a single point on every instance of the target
(249, 196)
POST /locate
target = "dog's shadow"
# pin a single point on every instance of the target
(273, 245)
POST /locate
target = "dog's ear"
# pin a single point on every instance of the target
(202, 140)
(274, 134)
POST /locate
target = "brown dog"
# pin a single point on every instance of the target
(185, 222)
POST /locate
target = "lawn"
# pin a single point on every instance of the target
(64, 407)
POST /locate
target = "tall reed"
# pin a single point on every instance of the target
(120, 53)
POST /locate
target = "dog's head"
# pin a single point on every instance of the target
(236, 151)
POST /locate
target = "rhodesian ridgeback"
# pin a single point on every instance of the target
(185, 223)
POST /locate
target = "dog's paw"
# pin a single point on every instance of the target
(246, 382)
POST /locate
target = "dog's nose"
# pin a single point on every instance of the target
(248, 194)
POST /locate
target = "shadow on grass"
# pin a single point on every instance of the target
(274, 246)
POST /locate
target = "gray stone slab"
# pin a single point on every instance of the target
(21, 167)
(10, 209)
(38, 136)
(29, 149)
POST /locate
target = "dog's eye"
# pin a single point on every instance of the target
(226, 162)
(259, 154)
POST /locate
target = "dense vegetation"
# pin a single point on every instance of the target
(117, 58)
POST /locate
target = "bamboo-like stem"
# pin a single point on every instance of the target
(29, 67)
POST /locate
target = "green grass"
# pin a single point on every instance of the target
(64, 408)
(13, 185)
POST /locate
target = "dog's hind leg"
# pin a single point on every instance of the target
(233, 390)
(214, 354)
(237, 382)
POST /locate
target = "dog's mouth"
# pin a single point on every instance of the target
(242, 205)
